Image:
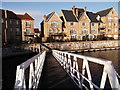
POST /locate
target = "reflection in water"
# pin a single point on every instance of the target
(112, 55)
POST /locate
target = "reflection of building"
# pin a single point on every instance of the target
(77, 23)
(27, 26)
(11, 28)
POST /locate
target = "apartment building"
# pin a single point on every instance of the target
(11, 28)
(27, 25)
(78, 23)
(51, 26)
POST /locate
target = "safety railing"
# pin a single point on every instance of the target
(28, 73)
(70, 63)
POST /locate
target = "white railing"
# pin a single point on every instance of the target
(28, 73)
(69, 62)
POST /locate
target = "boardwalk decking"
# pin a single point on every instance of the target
(53, 75)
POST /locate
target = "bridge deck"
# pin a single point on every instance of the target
(53, 75)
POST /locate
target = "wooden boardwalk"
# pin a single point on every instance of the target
(53, 75)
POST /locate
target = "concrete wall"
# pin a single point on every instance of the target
(83, 45)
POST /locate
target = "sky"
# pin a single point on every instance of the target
(38, 9)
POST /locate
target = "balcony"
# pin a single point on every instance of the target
(57, 34)
(28, 34)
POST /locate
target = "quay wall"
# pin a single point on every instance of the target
(83, 45)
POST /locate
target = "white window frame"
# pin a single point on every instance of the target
(84, 30)
(17, 22)
(93, 31)
(58, 30)
(28, 25)
(54, 24)
(116, 19)
(72, 31)
(50, 31)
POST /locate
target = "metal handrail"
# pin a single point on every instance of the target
(71, 67)
(34, 66)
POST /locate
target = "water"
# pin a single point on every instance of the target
(96, 70)
(112, 55)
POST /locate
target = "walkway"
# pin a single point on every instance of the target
(53, 75)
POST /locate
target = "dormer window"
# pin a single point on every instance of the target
(98, 18)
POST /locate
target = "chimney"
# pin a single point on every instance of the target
(73, 9)
(44, 17)
(85, 9)
(77, 12)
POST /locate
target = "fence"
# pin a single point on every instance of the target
(28, 73)
(69, 62)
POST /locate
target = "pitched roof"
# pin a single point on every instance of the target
(36, 30)
(104, 12)
(49, 16)
(69, 16)
(92, 17)
(25, 16)
(10, 14)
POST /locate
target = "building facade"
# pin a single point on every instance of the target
(11, 28)
(27, 25)
(78, 23)
(52, 25)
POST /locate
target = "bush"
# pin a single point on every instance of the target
(50, 39)
(73, 39)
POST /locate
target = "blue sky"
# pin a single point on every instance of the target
(38, 9)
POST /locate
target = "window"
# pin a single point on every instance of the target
(28, 31)
(116, 29)
(72, 31)
(54, 30)
(115, 24)
(71, 23)
(17, 31)
(50, 31)
(93, 31)
(17, 37)
(109, 30)
(11, 30)
(17, 22)
(58, 30)
(10, 21)
(84, 31)
(2, 21)
(116, 19)
(109, 24)
(84, 24)
(93, 24)
(54, 24)
(27, 23)
(110, 19)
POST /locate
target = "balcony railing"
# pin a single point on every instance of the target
(28, 33)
